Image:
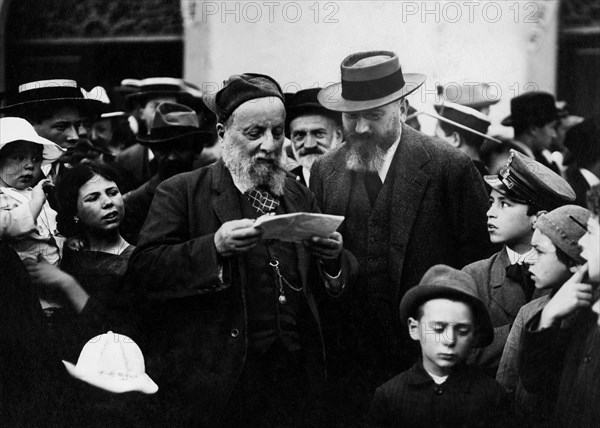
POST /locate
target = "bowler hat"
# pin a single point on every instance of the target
(14, 129)
(48, 92)
(369, 80)
(445, 282)
(464, 117)
(171, 122)
(531, 108)
(529, 182)
(305, 102)
(470, 94)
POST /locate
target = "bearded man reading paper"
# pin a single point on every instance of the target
(238, 342)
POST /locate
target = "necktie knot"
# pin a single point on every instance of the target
(262, 201)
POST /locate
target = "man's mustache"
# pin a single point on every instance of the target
(312, 151)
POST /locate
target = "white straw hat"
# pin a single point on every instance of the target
(16, 129)
(112, 362)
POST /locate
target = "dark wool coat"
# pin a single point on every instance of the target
(200, 322)
(468, 398)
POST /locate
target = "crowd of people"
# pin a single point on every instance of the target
(461, 289)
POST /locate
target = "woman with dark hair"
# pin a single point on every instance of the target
(91, 210)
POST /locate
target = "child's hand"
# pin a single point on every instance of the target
(38, 193)
(573, 295)
(75, 243)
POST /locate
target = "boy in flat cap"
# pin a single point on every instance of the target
(240, 340)
(445, 316)
(558, 256)
(521, 190)
(561, 343)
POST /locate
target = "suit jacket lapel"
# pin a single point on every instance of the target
(339, 182)
(227, 204)
(410, 183)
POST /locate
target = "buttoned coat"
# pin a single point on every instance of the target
(200, 339)
(503, 297)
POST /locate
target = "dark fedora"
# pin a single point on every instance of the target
(305, 102)
(171, 122)
(469, 94)
(369, 80)
(445, 282)
(527, 181)
(465, 118)
(531, 108)
(49, 92)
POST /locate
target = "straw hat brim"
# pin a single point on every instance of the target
(87, 104)
(112, 383)
(331, 98)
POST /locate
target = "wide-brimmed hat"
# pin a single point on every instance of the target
(14, 129)
(527, 181)
(114, 363)
(48, 92)
(138, 91)
(369, 80)
(171, 122)
(445, 282)
(531, 108)
(470, 94)
(465, 118)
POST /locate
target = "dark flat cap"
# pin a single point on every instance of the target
(529, 182)
(445, 282)
(241, 88)
(531, 108)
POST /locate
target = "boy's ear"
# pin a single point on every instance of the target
(574, 268)
(456, 140)
(413, 329)
(534, 217)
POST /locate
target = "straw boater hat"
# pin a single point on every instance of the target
(470, 94)
(139, 90)
(14, 129)
(463, 117)
(369, 80)
(114, 363)
(48, 92)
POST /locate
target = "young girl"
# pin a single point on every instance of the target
(27, 222)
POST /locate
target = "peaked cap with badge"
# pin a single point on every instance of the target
(527, 181)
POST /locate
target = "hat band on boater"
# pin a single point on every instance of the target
(48, 93)
(372, 89)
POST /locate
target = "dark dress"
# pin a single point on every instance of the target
(109, 307)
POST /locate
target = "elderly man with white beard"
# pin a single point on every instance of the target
(410, 201)
(238, 340)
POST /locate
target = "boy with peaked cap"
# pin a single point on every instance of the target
(558, 257)
(313, 130)
(521, 190)
(445, 316)
(561, 342)
(464, 128)
(533, 115)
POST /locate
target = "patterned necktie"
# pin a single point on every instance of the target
(263, 202)
(519, 273)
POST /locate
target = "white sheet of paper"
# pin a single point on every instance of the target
(297, 227)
